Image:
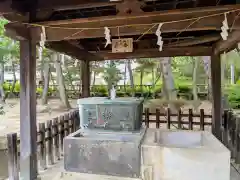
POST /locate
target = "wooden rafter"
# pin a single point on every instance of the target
(154, 53)
(6, 6)
(230, 43)
(195, 41)
(71, 50)
(147, 16)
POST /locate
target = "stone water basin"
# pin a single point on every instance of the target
(183, 155)
(104, 152)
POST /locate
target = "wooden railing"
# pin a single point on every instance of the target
(51, 134)
(230, 136)
(50, 137)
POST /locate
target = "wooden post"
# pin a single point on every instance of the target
(190, 119)
(157, 118)
(168, 118)
(28, 128)
(43, 153)
(85, 72)
(147, 117)
(216, 95)
(12, 157)
(50, 142)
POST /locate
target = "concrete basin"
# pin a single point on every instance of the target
(183, 155)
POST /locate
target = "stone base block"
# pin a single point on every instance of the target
(104, 153)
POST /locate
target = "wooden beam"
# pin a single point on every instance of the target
(73, 4)
(20, 32)
(136, 24)
(148, 17)
(6, 6)
(231, 42)
(85, 74)
(28, 128)
(71, 50)
(195, 41)
(211, 23)
(154, 53)
(216, 95)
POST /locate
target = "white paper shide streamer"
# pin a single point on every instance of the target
(158, 33)
(76, 62)
(224, 28)
(43, 37)
(107, 36)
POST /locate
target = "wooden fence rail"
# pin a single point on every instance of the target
(51, 134)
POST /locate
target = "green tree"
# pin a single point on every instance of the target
(112, 75)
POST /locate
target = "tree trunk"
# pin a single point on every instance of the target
(141, 81)
(207, 69)
(232, 73)
(129, 68)
(168, 78)
(153, 82)
(40, 60)
(14, 79)
(195, 71)
(46, 83)
(60, 80)
(2, 93)
(94, 78)
(125, 75)
(164, 91)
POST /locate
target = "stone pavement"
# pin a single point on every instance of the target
(55, 173)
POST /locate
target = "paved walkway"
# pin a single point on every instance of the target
(54, 173)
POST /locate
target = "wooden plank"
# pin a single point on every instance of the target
(217, 95)
(28, 128)
(85, 74)
(155, 53)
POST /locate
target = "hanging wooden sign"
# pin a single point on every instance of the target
(122, 45)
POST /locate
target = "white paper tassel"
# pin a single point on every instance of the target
(224, 28)
(43, 37)
(107, 36)
(76, 63)
(158, 33)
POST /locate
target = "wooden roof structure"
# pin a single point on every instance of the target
(76, 27)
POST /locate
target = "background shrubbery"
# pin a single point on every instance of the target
(232, 92)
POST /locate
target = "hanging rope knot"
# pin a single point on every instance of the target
(43, 37)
